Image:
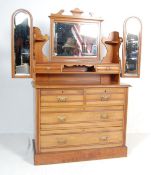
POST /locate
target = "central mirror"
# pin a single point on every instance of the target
(75, 39)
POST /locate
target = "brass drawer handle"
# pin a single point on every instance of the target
(61, 118)
(104, 116)
(62, 99)
(62, 141)
(105, 97)
(104, 138)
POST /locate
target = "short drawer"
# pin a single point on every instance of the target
(47, 68)
(61, 97)
(60, 118)
(61, 100)
(102, 139)
(105, 96)
(105, 99)
(108, 69)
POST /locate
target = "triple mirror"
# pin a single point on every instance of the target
(21, 44)
(132, 34)
(72, 40)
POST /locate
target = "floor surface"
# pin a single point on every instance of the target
(16, 158)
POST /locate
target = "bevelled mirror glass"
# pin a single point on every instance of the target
(75, 39)
(21, 44)
(132, 36)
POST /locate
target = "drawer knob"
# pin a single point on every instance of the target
(104, 116)
(62, 99)
(62, 141)
(105, 97)
(61, 118)
(104, 138)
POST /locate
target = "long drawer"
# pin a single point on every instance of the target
(74, 117)
(102, 124)
(71, 129)
(103, 139)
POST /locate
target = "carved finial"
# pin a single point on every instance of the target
(76, 12)
(60, 12)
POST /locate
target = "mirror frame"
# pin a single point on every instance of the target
(75, 18)
(12, 44)
(137, 75)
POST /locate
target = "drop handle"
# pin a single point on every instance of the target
(105, 97)
(61, 118)
(62, 141)
(104, 116)
(62, 99)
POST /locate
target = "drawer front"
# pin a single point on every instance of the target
(108, 69)
(47, 69)
(105, 99)
(105, 96)
(83, 139)
(85, 129)
(60, 118)
(82, 125)
(61, 97)
(59, 100)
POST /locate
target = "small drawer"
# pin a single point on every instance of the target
(60, 118)
(83, 139)
(47, 69)
(108, 69)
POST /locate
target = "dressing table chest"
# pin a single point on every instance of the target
(81, 106)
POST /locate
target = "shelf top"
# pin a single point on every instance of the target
(46, 85)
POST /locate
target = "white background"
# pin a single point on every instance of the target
(16, 95)
(17, 99)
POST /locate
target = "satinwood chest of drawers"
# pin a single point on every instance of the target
(80, 123)
(80, 102)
